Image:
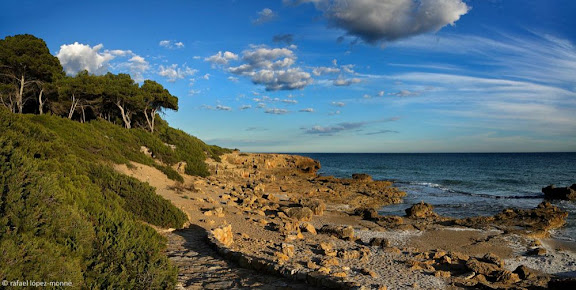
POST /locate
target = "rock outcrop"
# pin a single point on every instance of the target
(533, 222)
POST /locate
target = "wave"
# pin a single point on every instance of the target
(483, 195)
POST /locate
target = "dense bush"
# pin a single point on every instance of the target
(65, 215)
(139, 198)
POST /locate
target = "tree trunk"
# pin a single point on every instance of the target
(19, 102)
(153, 118)
(83, 114)
(150, 120)
(72, 107)
(125, 115)
(41, 102)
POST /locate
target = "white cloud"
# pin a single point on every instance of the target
(171, 44)
(272, 67)
(136, 65)
(338, 104)
(318, 71)
(245, 107)
(276, 111)
(387, 20)
(345, 82)
(206, 76)
(405, 93)
(222, 58)
(346, 126)
(223, 108)
(193, 92)
(77, 57)
(233, 79)
(290, 101)
(174, 73)
(348, 68)
(307, 110)
(265, 15)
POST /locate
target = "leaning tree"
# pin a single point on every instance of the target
(27, 65)
(155, 99)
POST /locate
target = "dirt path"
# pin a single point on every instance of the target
(200, 267)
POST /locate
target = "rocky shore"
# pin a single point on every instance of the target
(273, 214)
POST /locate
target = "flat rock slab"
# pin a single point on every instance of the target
(200, 267)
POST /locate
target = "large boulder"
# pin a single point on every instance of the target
(421, 210)
(317, 206)
(299, 213)
(341, 232)
(563, 193)
(224, 235)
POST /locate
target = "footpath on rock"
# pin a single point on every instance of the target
(269, 221)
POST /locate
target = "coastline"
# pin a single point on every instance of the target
(254, 204)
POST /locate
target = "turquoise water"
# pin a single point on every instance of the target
(464, 184)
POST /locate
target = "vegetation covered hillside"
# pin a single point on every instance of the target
(65, 214)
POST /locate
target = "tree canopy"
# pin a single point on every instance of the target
(32, 81)
(27, 65)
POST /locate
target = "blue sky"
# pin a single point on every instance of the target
(335, 75)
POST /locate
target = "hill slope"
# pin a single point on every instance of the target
(66, 215)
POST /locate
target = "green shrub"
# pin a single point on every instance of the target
(67, 216)
(169, 172)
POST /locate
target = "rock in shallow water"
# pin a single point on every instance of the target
(563, 193)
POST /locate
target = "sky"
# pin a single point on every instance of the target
(334, 75)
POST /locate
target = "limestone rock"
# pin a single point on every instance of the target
(536, 252)
(345, 233)
(507, 277)
(367, 213)
(421, 210)
(525, 273)
(349, 255)
(287, 249)
(491, 258)
(327, 249)
(308, 227)
(369, 272)
(330, 262)
(481, 267)
(281, 257)
(379, 242)
(224, 235)
(340, 274)
(299, 213)
(317, 206)
(442, 274)
(362, 177)
(312, 265)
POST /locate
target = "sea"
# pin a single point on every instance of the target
(464, 184)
